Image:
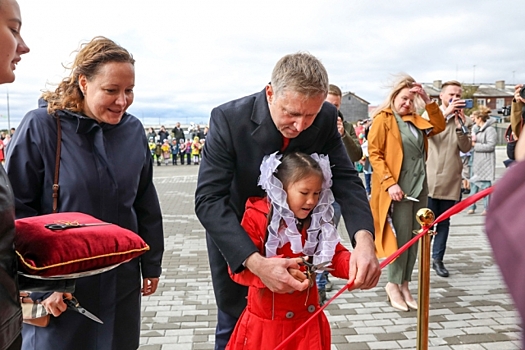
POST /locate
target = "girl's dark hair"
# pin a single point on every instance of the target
(296, 166)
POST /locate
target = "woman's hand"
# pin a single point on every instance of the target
(396, 193)
(417, 88)
(54, 304)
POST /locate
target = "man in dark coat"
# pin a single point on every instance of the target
(163, 134)
(178, 133)
(96, 154)
(288, 115)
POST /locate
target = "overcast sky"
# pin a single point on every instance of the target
(194, 55)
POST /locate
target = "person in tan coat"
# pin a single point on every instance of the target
(397, 146)
(444, 167)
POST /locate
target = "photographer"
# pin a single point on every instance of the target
(444, 166)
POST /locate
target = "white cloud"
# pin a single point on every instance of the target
(194, 55)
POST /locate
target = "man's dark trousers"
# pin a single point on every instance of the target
(439, 206)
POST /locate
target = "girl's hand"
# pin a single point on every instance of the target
(396, 193)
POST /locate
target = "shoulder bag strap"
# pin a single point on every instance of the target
(57, 166)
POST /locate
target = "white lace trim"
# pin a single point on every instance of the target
(321, 234)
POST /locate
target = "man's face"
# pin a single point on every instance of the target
(177, 125)
(450, 92)
(334, 99)
(293, 112)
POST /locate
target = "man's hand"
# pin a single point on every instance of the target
(460, 114)
(149, 286)
(364, 266)
(340, 126)
(274, 273)
(453, 106)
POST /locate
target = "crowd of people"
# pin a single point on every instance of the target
(278, 169)
(167, 148)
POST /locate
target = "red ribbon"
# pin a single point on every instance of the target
(452, 211)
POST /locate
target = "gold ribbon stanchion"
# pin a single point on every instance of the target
(425, 217)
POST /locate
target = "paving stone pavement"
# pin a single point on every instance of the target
(470, 310)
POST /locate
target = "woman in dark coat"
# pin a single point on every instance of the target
(12, 46)
(97, 179)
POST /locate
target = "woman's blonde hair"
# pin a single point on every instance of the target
(403, 81)
(483, 112)
(90, 58)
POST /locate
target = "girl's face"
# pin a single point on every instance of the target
(303, 195)
(12, 46)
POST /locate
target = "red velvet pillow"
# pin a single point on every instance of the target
(50, 253)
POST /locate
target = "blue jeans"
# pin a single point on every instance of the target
(439, 206)
(368, 178)
(320, 279)
(475, 187)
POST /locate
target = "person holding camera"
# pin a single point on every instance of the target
(444, 166)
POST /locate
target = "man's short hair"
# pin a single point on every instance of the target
(334, 90)
(302, 73)
(450, 82)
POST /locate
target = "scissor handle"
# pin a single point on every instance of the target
(56, 227)
(73, 302)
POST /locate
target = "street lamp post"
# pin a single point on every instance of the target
(8, 114)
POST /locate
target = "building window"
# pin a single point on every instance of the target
(481, 102)
(500, 102)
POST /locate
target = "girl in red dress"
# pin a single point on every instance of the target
(294, 220)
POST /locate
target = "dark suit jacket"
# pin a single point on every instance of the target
(241, 133)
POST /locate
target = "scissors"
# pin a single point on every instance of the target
(311, 268)
(73, 304)
(74, 224)
(411, 198)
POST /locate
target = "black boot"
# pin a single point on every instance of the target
(440, 268)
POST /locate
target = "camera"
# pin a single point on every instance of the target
(469, 103)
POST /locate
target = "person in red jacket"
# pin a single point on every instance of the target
(294, 220)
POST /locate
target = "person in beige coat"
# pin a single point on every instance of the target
(397, 147)
(444, 167)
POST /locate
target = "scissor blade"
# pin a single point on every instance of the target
(88, 314)
(322, 267)
(412, 199)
